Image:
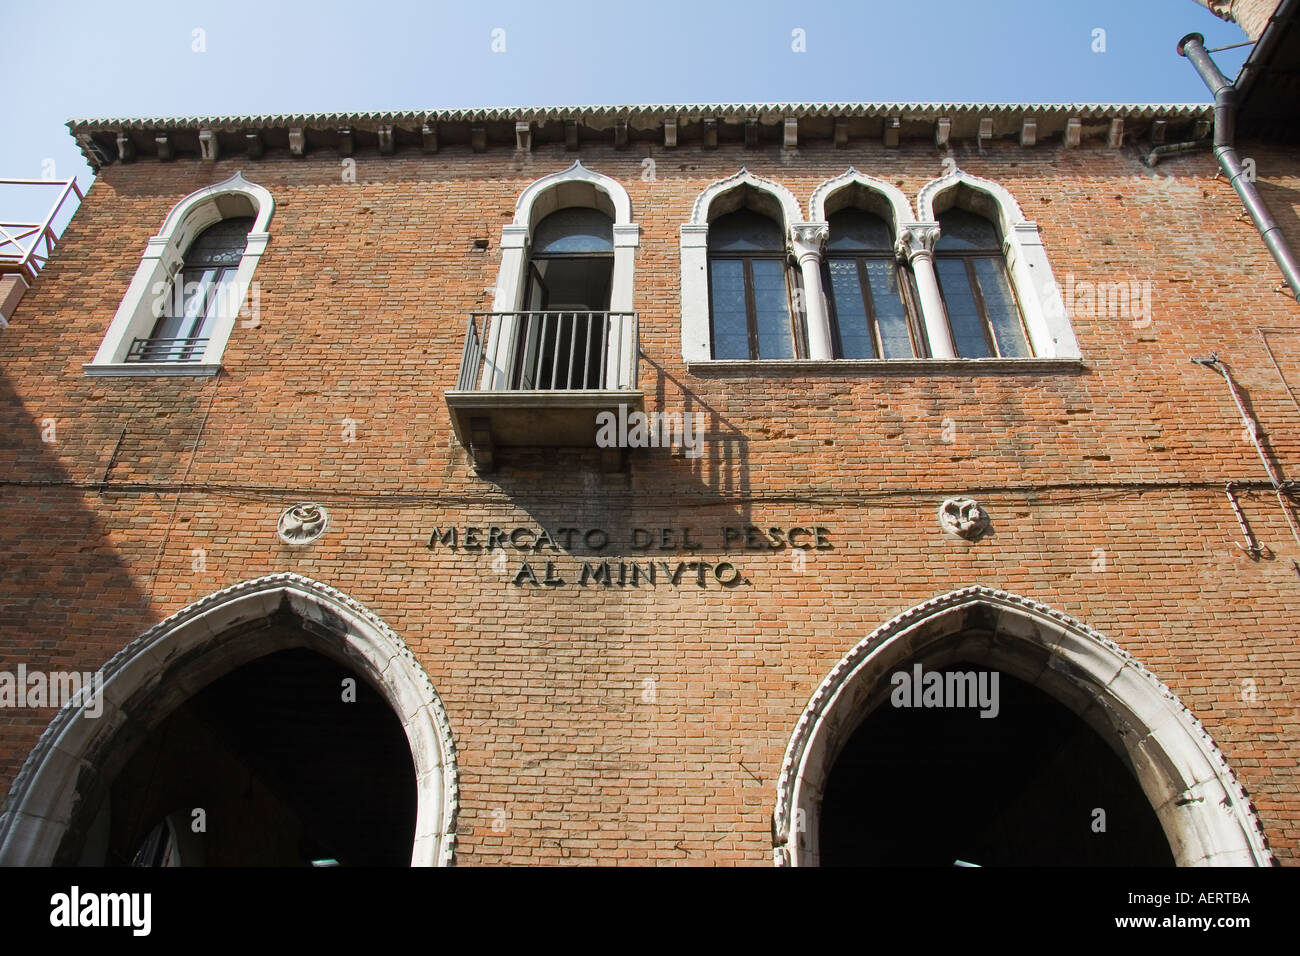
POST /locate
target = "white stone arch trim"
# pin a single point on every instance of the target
(810, 239)
(743, 177)
(697, 345)
(1050, 332)
(43, 801)
(528, 212)
(575, 186)
(163, 257)
(1204, 810)
(896, 198)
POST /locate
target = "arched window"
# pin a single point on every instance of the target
(194, 280)
(203, 292)
(982, 311)
(564, 285)
(983, 277)
(870, 318)
(736, 280)
(567, 299)
(749, 304)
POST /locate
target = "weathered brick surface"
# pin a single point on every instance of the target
(365, 292)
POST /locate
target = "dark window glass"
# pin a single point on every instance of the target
(982, 309)
(960, 231)
(202, 291)
(963, 311)
(772, 309)
(853, 230)
(745, 231)
(1001, 304)
(730, 316)
(871, 320)
(574, 229)
(854, 324)
(748, 296)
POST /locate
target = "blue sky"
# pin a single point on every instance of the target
(82, 59)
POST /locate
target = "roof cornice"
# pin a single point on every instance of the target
(114, 139)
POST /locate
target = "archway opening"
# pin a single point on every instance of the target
(1204, 812)
(938, 776)
(60, 808)
(291, 759)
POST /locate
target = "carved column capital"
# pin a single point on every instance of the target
(809, 238)
(916, 239)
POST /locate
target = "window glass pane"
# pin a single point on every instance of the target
(575, 229)
(745, 231)
(773, 309)
(856, 229)
(730, 327)
(850, 310)
(963, 314)
(221, 244)
(891, 316)
(960, 230)
(1001, 305)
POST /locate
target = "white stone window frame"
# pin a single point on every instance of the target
(1030, 272)
(697, 338)
(576, 186)
(163, 259)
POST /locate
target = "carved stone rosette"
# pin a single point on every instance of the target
(303, 524)
(964, 518)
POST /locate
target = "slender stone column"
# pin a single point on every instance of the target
(809, 238)
(916, 244)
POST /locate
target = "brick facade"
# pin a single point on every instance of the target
(1104, 481)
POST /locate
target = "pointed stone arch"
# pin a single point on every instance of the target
(702, 210)
(1204, 811)
(52, 799)
(895, 198)
(575, 186)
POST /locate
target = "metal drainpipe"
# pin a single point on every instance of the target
(1153, 157)
(1192, 46)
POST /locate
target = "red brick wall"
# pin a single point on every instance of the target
(365, 289)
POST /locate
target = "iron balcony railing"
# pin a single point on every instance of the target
(166, 350)
(563, 350)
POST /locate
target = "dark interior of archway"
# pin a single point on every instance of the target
(285, 769)
(922, 786)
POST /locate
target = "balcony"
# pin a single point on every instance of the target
(539, 379)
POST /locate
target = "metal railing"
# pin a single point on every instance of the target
(562, 350)
(166, 350)
(25, 247)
